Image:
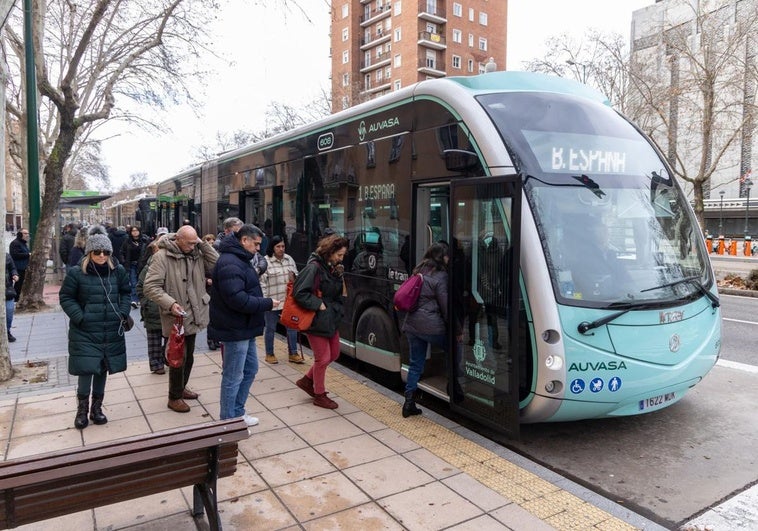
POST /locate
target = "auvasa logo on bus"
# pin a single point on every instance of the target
(584, 366)
(379, 125)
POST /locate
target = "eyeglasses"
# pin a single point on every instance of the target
(98, 252)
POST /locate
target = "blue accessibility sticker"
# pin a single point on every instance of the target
(596, 385)
(614, 384)
(577, 386)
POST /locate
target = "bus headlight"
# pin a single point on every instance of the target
(554, 362)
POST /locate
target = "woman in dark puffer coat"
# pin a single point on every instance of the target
(95, 296)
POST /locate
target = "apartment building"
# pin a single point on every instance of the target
(378, 46)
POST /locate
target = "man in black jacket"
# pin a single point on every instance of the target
(19, 251)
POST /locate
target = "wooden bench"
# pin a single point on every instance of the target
(44, 486)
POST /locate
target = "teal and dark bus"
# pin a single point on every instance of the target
(580, 284)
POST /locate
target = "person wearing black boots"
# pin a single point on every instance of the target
(426, 324)
(95, 296)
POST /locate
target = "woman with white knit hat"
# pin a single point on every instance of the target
(96, 297)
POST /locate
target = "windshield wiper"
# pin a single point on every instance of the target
(586, 326)
(694, 281)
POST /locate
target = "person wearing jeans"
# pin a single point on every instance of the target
(281, 270)
(236, 312)
(426, 325)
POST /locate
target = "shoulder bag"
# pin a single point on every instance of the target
(295, 316)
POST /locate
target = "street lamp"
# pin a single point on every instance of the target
(748, 185)
(571, 62)
(721, 214)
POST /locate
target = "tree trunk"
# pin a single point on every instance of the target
(32, 298)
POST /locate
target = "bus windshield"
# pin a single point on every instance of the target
(615, 227)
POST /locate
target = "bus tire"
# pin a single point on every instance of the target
(377, 340)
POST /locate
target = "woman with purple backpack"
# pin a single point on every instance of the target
(426, 324)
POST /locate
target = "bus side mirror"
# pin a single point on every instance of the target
(460, 160)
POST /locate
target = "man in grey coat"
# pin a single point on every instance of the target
(175, 281)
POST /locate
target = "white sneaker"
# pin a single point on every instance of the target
(250, 421)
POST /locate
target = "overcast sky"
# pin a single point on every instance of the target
(284, 57)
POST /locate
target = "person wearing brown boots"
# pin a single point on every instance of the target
(175, 281)
(325, 296)
(95, 296)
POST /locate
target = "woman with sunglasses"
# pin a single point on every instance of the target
(96, 297)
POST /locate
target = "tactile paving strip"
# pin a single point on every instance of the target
(548, 502)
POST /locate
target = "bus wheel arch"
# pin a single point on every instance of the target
(376, 339)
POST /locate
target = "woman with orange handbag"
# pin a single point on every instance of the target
(323, 335)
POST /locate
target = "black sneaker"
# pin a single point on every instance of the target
(11, 339)
(134, 304)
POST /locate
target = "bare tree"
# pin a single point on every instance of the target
(695, 80)
(88, 54)
(280, 117)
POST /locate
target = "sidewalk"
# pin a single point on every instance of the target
(361, 466)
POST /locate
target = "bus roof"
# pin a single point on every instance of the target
(513, 81)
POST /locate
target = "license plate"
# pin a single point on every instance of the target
(656, 401)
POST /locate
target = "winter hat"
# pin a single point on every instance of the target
(161, 231)
(98, 240)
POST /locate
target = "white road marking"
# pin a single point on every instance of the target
(737, 513)
(737, 365)
(738, 321)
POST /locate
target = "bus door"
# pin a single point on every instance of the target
(431, 225)
(483, 358)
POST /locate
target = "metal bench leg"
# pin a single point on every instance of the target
(204, 494)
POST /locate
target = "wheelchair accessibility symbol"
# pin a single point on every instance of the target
(577, 386)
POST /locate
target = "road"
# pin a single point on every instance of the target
(672, 464)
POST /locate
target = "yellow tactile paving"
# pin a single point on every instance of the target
(548, 502)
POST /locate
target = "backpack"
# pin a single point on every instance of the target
(406, 296)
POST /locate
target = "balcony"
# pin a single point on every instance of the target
(375, 40)
(380, 87)
(432, 40)
(371, 16)
(376, 62)
(433, 14)
(430, 67)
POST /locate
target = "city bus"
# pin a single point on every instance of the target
(579, 284)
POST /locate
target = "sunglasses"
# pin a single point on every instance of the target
(98, 252)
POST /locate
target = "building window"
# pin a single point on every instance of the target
(345, 80)
(471, 14)
(345, 34)
(483, 19)
(431, 59)
(397, 7)
(481, 68)
(483, 44)
(397, 84)
(366, 36)
(388, 25)
(378, 52)
(379, 30)
(457, 36)
(398, 34)
(367, 81)
(431, 7)
(367, 58)
(379, 5)
(470, 65)
(379, 75)
(398, 60)
(471, 40)
(456, 62)
(457, 9)
(388, 72)
(345, 57)
(345, 102)
(345, 10)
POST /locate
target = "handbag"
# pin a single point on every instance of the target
(175, 344)
(127, 322)
(295, 316)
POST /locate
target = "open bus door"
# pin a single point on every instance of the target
(483, 362)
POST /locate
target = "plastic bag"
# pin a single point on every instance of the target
(175, 344)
